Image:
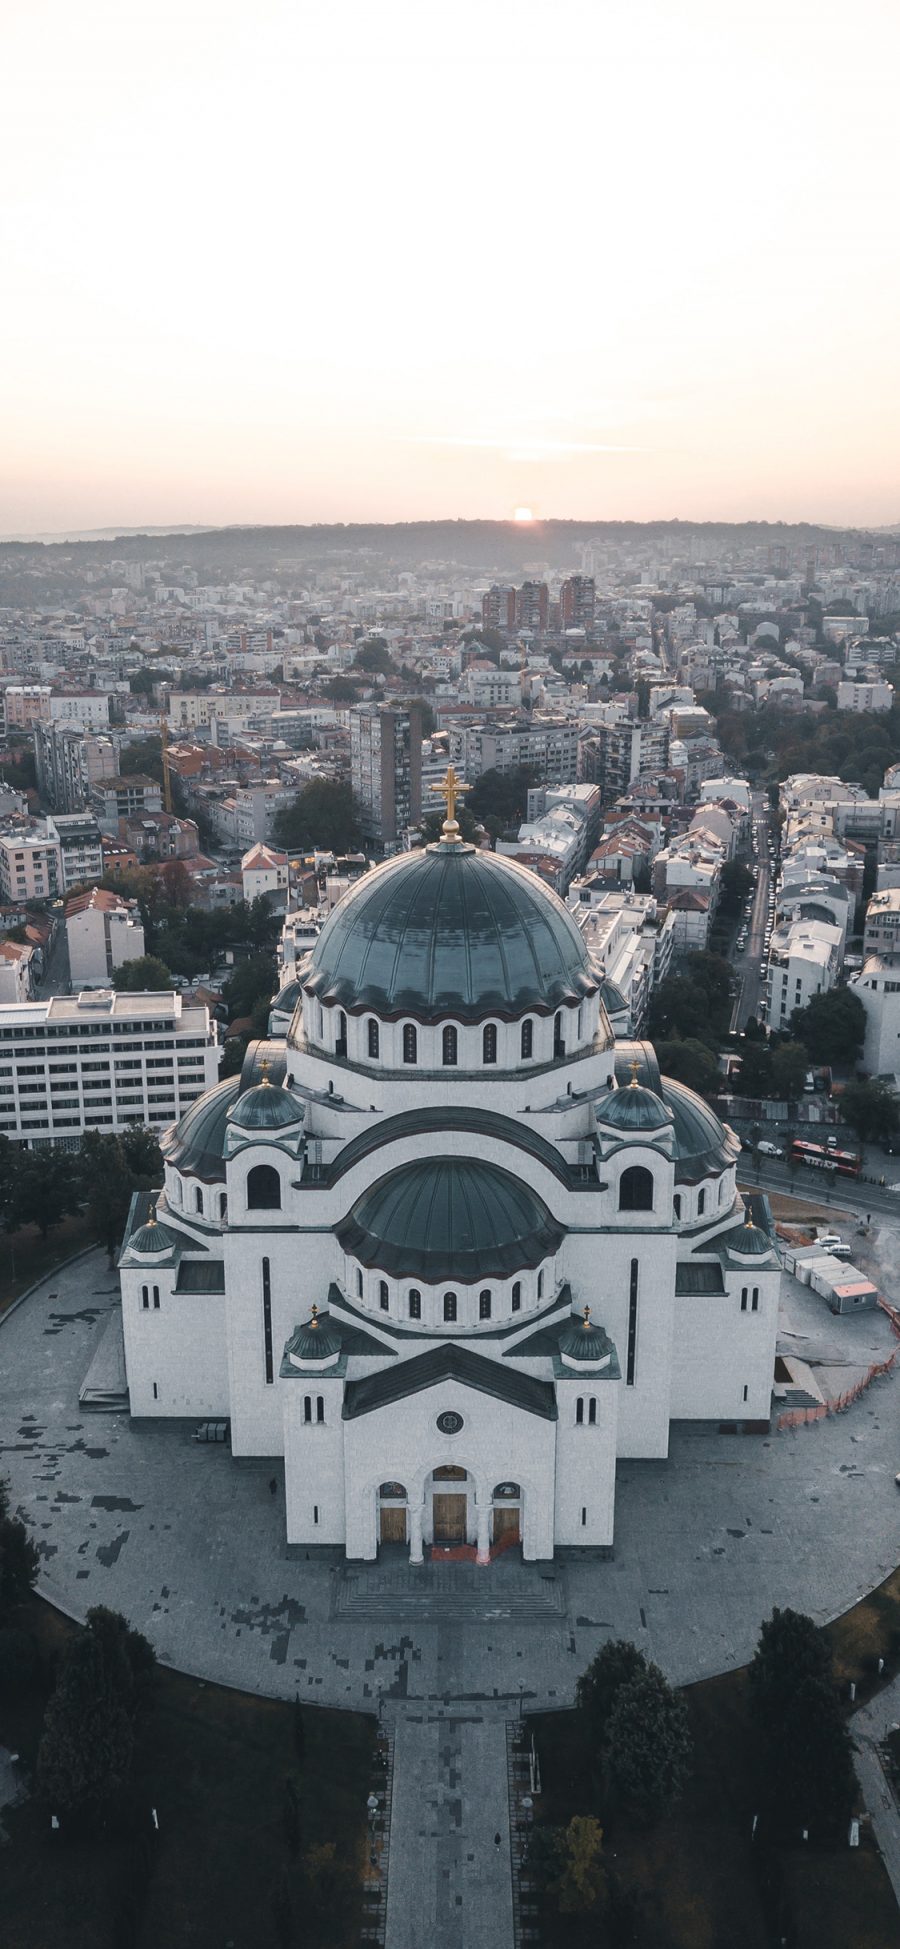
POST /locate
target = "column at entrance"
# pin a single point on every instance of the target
(415, 1533)
(483, 1548)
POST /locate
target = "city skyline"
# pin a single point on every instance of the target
(269, 267)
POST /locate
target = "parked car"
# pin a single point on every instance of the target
(767, 1149)
(832, 1242)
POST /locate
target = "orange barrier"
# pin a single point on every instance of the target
(801, 1417)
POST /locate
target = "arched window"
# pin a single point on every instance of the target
(359, 1283)
(223, 1205)
(676, 1204)
(449, 1306)
(592, 1413)
(373, 1037)
(145, 1298)
(198, 1199)
(489, 1043)
(636, 1189)
(320, 1407)
(701, 1203)
(156, 1299)
(320, 1016)
(517, 1296)
(559, 1045)
(484, 1304)
(307, 1407)
(415, 1303)
(340, 1047)
(449, 1046)
(263, 1188)
(527, 1042)
(579, 1410)
(384, 1297)
(410, 1042)
(540, 1288)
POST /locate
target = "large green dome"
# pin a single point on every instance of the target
(447, 1218)
(450, 931)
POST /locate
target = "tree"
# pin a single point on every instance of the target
(87, 1745)
(111, 1168)
(790, 1648)
(251, 981)
(832, 1026)
(44, 1190)
(648, 1747)
(689, 1062)
(179, 887)
(432, 824)
(146, 975)
(324, 817)
(501, 796)
(756, 1069)
(736, 881)
(806, 1750)
(871, 1109)
(696, 1003)
(616, 1664)
(582, 1881)
(374, 657)
(19, 1560)
(144, 755)
(790, 1063)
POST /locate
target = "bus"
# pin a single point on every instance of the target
(820, 1158)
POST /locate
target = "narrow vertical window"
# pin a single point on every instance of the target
(632, 1325)
(155, 1392)
(449, 1306)
(415, 1303)
(307, 1407)
(527, 1044)
(384, 1298)
(754, 1308)
(373, 1037)
(579, 1411)
(676, 1204)
(340, 1047)
(449, 1046)
(743, 1299)
(517, 1296)
(267, 1320)
(320, 1407)
(584, 1519)
(316, 1514)
(359, 1283)
(746, 1393)
(410, 1042)
(701, 1204)
(484, 1304)
(559, 1047)
(145, 1298)
(489, 1043)
(156, 1299)
(592, 1413)
(540, 1286)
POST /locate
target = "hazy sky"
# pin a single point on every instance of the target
(268, 260)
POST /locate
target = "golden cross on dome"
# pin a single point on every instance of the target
(315, 1317)
(635, 1066)
(264, 1066)
(586, 1322)
(451, 788)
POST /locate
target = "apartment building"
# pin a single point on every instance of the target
(69, 763)
(125, 798)
(877, 986)
(547, 746)
(881, 935)
(498, 608)
(386, 769)
(80, 848)
(30, 866)
(865, 696)
(101, 1061)
(804, 960)
(103, 932)
(577, 602)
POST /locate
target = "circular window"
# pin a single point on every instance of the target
(450, 1423)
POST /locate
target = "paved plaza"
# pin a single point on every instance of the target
(189, 1544)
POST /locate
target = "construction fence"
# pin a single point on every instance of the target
(800, 1417)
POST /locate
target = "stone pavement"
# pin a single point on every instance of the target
(448, 1885)
(869, 1726)
(189, 1544)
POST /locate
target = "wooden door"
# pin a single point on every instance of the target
(506, 1526)
(393, 1525)
(450, 1519)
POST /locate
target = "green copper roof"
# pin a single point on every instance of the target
(151, 1237)
(449, 1219)
(317, 1338)
(702, 1143)
(633, 1108)
(266, 1107)
(582, 1339)
(749, 1240)
(449, 1363)
(196, 1143)
(450, 931)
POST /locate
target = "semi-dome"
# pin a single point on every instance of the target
(446, 1218)
(612, 997)
(633, 1108)
(450, 931)
(196, 1143)
(703, 1145)
(266, 1107)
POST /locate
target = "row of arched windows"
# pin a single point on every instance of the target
(450, 1301)
(449, 1041)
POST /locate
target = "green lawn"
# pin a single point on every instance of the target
(702, 1883)
(26, 1257)
(214, 1764)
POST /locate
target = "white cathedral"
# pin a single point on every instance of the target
(454, 1249)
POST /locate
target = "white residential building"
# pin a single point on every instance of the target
(101, 1061)
(30, 867)
(865, 696)
(877, 986)
(804, 960)
(102, 933)
(263, 872)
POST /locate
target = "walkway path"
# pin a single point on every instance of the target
(448, 1884)
(869, 1726)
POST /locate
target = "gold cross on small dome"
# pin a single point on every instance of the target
(586, 1322)
(315, 1317)
(635, 1066)
(451, 788)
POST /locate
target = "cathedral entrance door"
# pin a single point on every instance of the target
(393, 1525)
(506, 1526)
(450, 1518)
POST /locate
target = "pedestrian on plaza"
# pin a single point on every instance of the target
(497, 1843)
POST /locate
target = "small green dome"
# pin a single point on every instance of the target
(266, 1107)
(750, 1240)
(151, 1237)
(633, 1108)
(448, 1218)
(450, 931)
(582, 1340)
(315, 1339)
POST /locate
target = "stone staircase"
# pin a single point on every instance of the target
(448, 1591)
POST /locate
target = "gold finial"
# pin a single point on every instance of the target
(264, 1066)
(586, 1322)
(315, 1318)
(635, 1066)
(451, 787)
(151, 1216)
